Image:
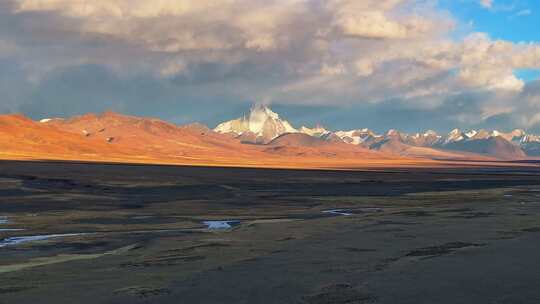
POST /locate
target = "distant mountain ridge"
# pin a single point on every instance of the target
(261, 137)
(262, 125)
(113, 137)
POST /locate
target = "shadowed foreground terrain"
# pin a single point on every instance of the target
(98, 233)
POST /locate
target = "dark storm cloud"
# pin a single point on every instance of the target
(91, 88)
(383, 116)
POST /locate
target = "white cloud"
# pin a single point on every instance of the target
(173, 67)
(491, 78)
(179, 25)
(525, 12)
(486, 3)
(333, 70)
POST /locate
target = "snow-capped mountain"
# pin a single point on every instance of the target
(455, 136)
(318, 131)
(363, 137)
(530, 143)
(493, 143)
(428, 138)
(514, 144)
(260, 125)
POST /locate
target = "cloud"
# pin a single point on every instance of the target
(7, 48)
(371, 19)
(174, 26)
(486, 3)
(344, 53)
(525, 12)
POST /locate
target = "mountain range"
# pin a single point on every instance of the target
(263, 126)
(261, 138)
(113, 137)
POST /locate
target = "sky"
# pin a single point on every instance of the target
(406, 64)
